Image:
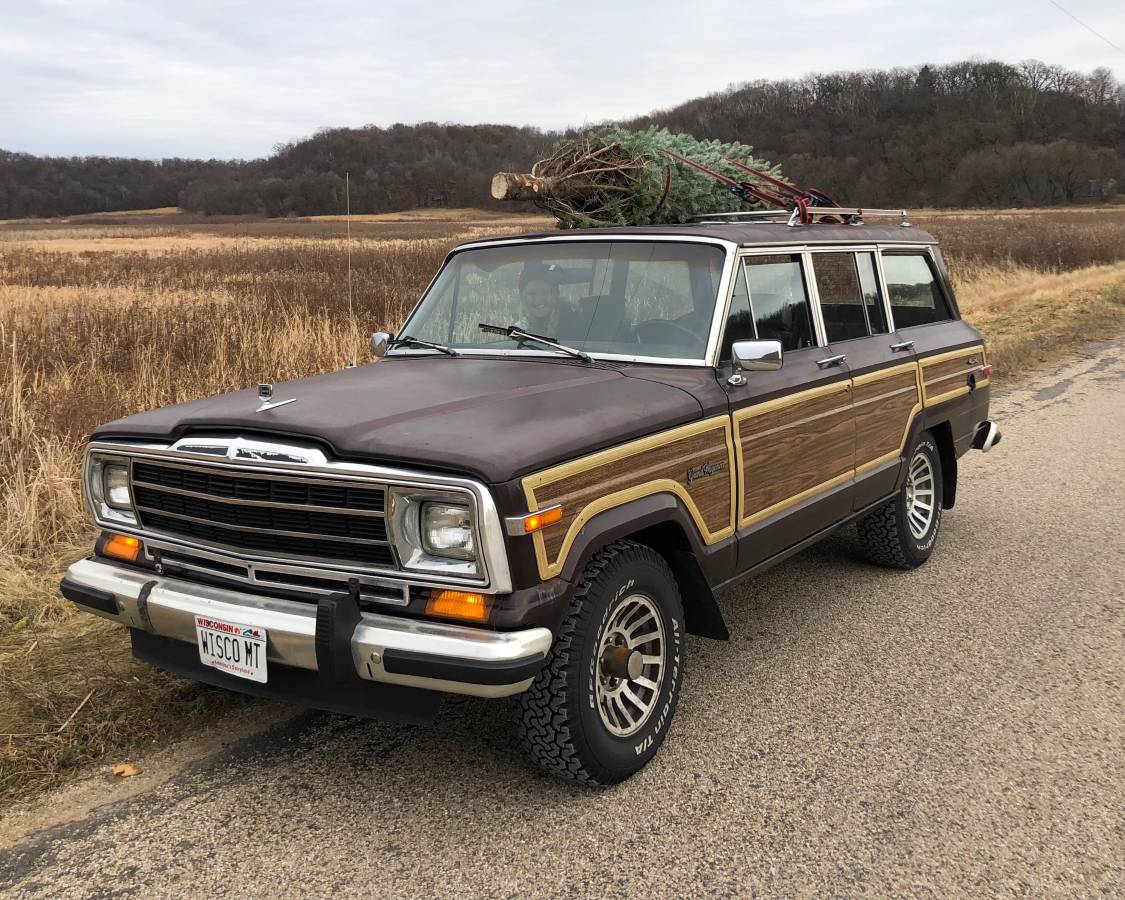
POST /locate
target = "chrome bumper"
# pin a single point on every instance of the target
(453, 658)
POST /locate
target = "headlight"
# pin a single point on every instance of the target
(107, 486)
(115, 484)
(447, 530)
(435, 532)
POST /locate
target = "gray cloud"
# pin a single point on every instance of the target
(234, 78)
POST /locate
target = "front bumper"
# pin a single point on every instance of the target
(433, 656)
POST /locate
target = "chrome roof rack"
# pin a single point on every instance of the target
(852, 215)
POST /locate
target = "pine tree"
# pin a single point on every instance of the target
(611, 176)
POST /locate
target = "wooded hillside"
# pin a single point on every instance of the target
(972, 133)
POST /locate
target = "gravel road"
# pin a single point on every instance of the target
(955, 730)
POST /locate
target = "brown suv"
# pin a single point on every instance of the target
(541, 484)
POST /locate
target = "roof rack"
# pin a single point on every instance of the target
(802, 206)
(851, 215)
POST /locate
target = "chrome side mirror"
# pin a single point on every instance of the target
(381, 343)
(754, 356)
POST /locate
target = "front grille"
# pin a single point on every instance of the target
(292, 516)
(245, 487)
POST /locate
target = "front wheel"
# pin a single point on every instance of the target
(599, 709)
(901, 533)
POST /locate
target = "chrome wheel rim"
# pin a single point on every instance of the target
(630, 665)
(920, 498)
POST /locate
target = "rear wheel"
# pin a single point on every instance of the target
(901, 533)
(599, 709)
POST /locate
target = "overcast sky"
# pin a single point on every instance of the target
(233, 78)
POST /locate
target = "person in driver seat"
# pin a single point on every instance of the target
(544, 312)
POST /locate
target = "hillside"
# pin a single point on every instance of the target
(971, 133)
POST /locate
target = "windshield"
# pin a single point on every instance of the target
(627, 298)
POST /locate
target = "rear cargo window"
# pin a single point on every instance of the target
(916, 298)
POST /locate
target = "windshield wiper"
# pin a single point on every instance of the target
(418, 342)
(513, 331)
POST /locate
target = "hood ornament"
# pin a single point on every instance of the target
(265, 394)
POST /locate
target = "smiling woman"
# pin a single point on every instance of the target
(604, 297)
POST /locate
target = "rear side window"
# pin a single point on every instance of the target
(849, 295)
(779, 301)
(872, 298)
(841, 300)
(916, 298)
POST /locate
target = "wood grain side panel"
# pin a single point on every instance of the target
(694, 462)
(946, 375)
(884, 408)
(801, 412)
(792, 452)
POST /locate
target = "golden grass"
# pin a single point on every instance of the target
(99, 320)
(1029, 317)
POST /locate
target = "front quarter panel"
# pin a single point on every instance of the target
(692, 463)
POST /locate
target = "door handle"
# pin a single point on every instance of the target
(832, 361)
(904, 345)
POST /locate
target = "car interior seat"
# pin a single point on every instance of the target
(605, 318)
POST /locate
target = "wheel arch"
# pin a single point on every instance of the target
(660, 522)
(942, 430)
(947, 453)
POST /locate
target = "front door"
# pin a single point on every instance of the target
(793, 429)
(885, 393)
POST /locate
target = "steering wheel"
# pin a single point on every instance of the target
(665, 331)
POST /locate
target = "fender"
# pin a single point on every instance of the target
(662, 522)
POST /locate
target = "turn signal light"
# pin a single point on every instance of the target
(532, 522)
(123, 547)
(459, 605)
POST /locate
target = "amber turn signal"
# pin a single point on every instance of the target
(123, 547)
(459, 605)
(532, 522)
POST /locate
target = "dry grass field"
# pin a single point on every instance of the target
(101, 316)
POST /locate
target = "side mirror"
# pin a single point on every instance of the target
(755, 356)
(381, 343)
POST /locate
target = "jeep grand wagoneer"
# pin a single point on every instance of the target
(541, 483)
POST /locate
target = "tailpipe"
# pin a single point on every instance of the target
(987, 436)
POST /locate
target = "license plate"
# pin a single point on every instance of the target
(238, 650)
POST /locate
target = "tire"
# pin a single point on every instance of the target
(891, 535)
(576, 720)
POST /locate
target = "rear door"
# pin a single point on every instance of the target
(885, 394)
(949, 351)
(793, 430)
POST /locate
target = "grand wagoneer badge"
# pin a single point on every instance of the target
(704, 470)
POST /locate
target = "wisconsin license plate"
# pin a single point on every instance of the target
(235, 649)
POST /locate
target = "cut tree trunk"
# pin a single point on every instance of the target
(521, 186)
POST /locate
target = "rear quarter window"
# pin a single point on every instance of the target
(912, 286)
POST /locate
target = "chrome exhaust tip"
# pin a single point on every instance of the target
(986, 437)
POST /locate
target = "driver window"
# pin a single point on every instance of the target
(740, 320)
(779, 300)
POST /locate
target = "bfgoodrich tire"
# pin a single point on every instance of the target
(901, 533)
(600, 708)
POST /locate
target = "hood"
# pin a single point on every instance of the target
(491, 418)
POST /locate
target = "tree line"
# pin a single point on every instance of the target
(970, 133)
